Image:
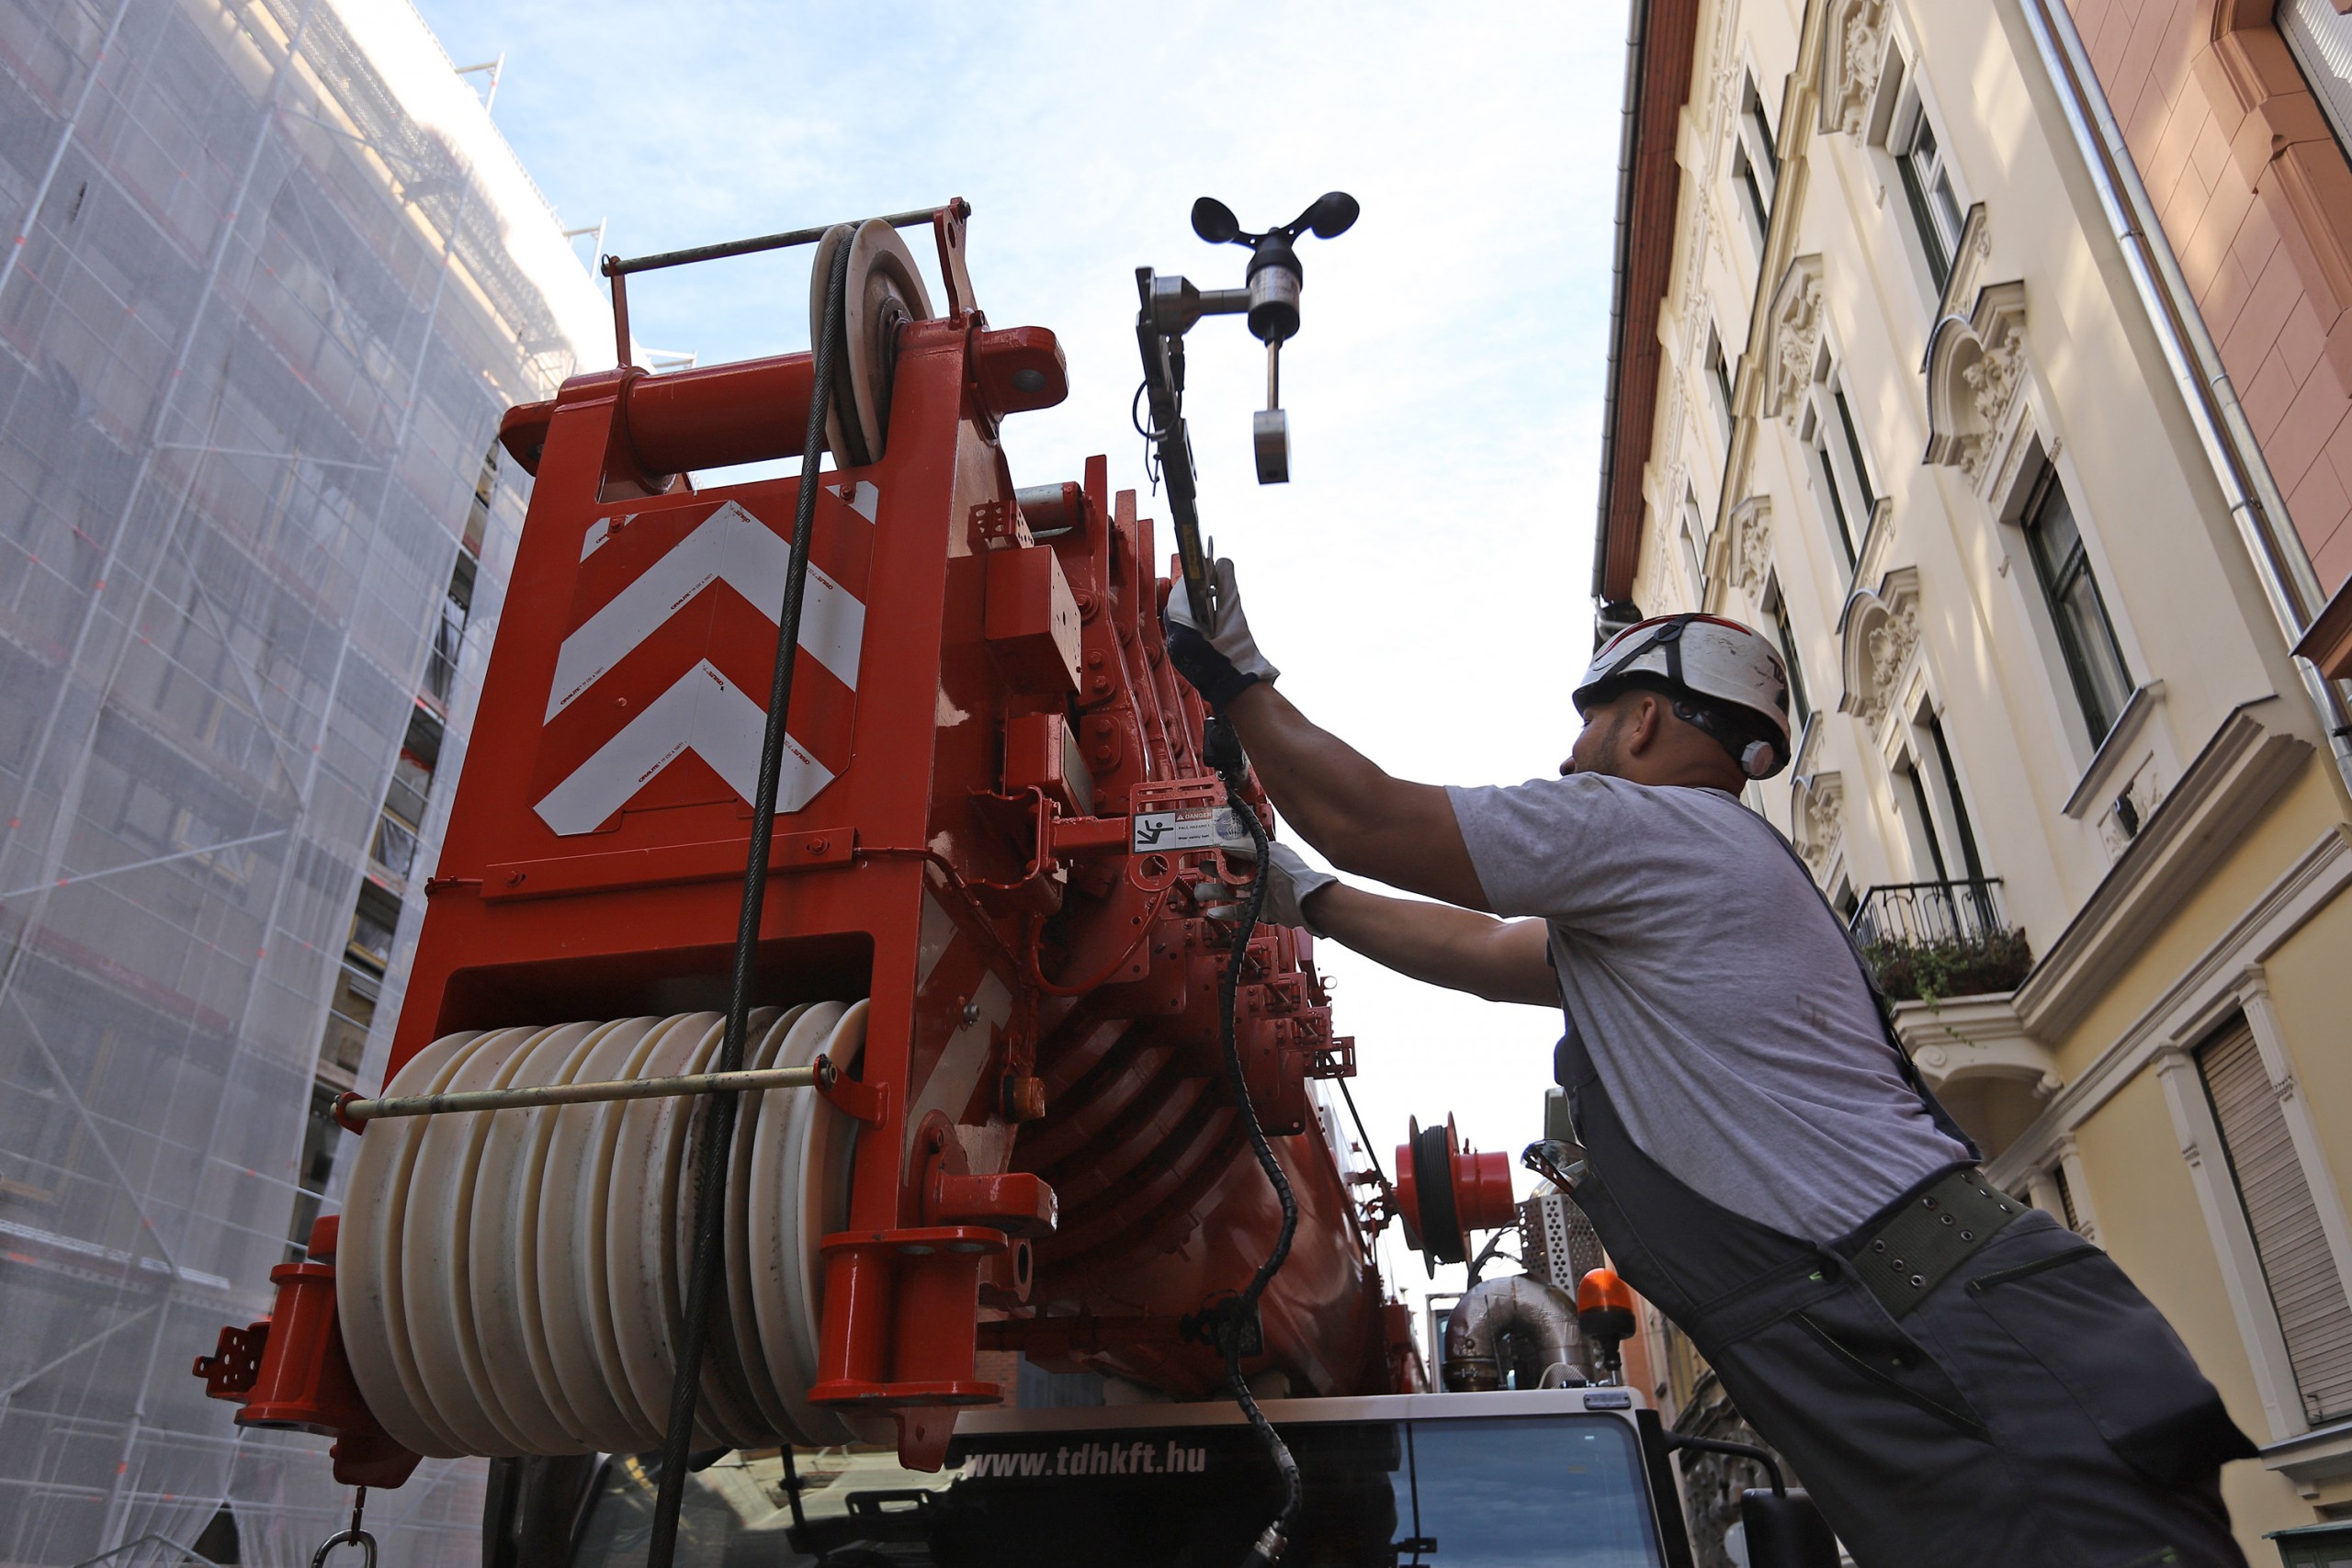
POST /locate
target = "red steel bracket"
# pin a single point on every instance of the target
(849, 1096)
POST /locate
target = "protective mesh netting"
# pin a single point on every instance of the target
(277, 280)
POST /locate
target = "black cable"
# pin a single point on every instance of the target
(1232, 768)
(1356, 1117)
(710, 1229)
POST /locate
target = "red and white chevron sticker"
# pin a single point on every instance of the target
(673, 628)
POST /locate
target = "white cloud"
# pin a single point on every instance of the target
(1424, 579)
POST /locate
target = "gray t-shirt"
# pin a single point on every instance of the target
(1720, 1002)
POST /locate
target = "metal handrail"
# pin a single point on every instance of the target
(1917, 913)
(187, 1553)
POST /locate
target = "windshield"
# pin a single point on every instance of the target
(1554, 1491)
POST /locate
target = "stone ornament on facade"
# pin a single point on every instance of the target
(1853, 56)
(1818, 814)
(1880, 633)
(1792, 340)
(1975, 366)
(1750, 558)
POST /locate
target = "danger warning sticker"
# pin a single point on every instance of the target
(1194, 828)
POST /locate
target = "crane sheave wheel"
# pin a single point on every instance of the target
(513, 1282)
(882, 294)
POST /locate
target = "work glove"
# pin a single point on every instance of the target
(1290, 882)
(1221, 661)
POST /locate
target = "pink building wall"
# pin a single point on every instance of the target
(2255, 194)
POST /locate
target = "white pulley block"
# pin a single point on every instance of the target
(513, 1282)
(883, 293)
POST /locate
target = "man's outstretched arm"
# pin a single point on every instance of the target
(1346, 805)
(1503, 961)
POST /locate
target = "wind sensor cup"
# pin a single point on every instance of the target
(1269, 299)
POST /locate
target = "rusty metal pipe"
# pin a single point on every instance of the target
(619, 266)
(351, 1108)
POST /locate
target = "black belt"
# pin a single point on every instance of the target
(1928, 1234)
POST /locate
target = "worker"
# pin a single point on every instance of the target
(1958, 1380)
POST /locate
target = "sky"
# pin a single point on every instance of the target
(1423, 581)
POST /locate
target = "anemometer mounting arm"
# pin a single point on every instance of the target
(1170, 306)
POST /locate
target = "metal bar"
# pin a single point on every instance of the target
(618, 266)
(357, 1110)
(187, 1553)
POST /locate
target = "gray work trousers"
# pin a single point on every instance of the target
(2033, 1411)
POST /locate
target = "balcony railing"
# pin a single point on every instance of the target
(1931, 939)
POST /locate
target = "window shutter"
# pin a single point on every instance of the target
(2305, 1288)
(2320, 37)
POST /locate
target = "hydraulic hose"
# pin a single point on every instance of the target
(710, 1214)
(1224, 751)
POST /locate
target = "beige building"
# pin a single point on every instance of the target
(1905, 373)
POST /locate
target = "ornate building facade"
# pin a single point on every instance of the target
(1909, 374)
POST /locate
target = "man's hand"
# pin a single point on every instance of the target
(1221, 660)
(1290, 882)
(1341, 802)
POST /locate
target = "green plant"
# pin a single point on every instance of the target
(1929, 971)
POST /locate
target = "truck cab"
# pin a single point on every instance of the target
(1553, 1478)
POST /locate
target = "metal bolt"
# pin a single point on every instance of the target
(971, 1013)
(1094, 659)
(818, 846)
(1100, 684)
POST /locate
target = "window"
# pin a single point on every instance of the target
(449, 635)
(2306, 1289)
(1927, 796)
(1927, 181)
(1777, 607)
(1940, 753)
(2085, 636)
(1840, 470)
(372, 925)
(1755, 161)
(1719, 373)
(1926, 847)
(1825, 479)
(1861, 471)
(2320, 37)
(1694, 554)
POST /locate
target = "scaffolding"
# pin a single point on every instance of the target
(273, 279)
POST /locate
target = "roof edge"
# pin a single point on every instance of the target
(1661, 40)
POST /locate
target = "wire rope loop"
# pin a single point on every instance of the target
(354, 1536)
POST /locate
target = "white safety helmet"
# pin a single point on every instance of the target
(1721, 660)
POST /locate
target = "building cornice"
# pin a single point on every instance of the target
(2245, 763)
(2193, 1003)
(1648, 203)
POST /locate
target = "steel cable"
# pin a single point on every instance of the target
(710, 1215)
